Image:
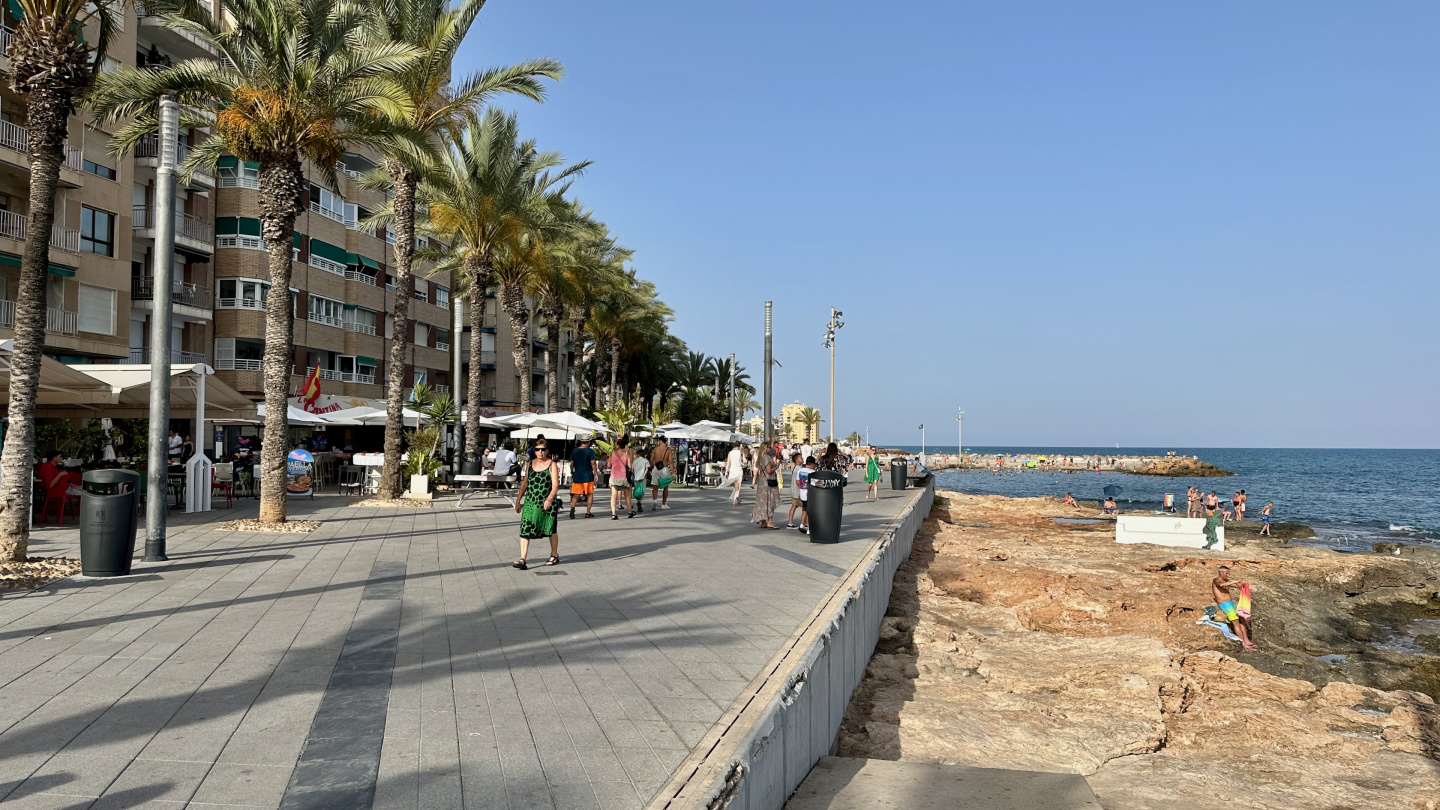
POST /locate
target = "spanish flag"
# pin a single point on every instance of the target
(310, 389)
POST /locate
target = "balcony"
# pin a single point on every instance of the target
(487, 359)
(350, 377)
(440, 388)
(326, 320)
(328, 265)
(142, 288)
(17, 138)
(240, 364)
(537, 365)
(190, 232)
(176, 356)
(352, 274)
(488, 393)
(257, 304)
(328, 213)
(61, 321)
(537, 397)
(7, 314)
(147, 153)
(181, 44)
(362, 328)
(13, 226)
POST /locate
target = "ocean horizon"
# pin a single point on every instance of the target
(1351, 497)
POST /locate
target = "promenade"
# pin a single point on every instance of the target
(394, 659)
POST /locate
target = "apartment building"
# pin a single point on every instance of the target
(342, 293)
(500, 379)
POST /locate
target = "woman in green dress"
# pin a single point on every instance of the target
(872, 477)
(539, 511)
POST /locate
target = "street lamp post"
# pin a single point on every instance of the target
(830, 328)
(769, 358)
(734, 419)
(959, 433)
(161, 317)
(922, 442)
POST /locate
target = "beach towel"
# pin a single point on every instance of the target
(1242, 605)
(1208, 619)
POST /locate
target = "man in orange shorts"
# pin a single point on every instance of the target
(582, 477)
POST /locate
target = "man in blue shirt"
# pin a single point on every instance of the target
(582, 477)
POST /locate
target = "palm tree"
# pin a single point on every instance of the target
(599, 267)
(476, 198)
(51, 67)
(698, 369)
(436, 109)
(810, 418)
(297, 80)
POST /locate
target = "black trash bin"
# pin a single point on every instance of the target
(898, 471)
(470, 468)
(826, 504)
(109, 515)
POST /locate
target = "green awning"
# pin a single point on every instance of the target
(15, 10)
(325, 250)
(370, 263)
(249, 226)
(366, 361)
(299, 239)
(227, 162)
(13, 260)
(230, 226)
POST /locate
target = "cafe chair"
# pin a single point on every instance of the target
(222, 479)
(352, 480)
(58, 500)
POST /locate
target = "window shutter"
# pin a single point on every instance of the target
(97, 310)
(97, 148)
(224, 351)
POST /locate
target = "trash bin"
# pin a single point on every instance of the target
(898, 471)
(470, 468)
(826, 503)
(109, 515)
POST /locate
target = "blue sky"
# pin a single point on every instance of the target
(1157, 224)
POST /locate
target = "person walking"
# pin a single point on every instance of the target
(1265, 519)
(537, 505)
(767, 490)
(832, 459)
(795, 503)
(662, 473)
(583, 472)
(734, 471)
(872, 476)
(639, 466)
(619, 470)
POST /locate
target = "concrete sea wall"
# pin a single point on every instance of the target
(760, 750)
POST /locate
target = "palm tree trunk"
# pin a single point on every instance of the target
(552, 312)
(280, 184)
(49, 110)
(404, 225)
(477, 271)
(577, 348)
(513, 300)
(614, 370)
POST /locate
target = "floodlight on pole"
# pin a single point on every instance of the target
(829, 343)
(959, 434)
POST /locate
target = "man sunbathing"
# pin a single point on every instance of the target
(1225, 604)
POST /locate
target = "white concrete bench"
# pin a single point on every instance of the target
(1179, 532)
(485, 478)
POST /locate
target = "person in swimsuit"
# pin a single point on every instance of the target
(1070, 501)
(1225, 605)
(1110, 508)
(537, 505)
(1240, 505)
(1265, 519)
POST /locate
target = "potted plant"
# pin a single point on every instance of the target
(423, 460)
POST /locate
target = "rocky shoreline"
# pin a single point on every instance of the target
(1164, 466)
(1016, 641)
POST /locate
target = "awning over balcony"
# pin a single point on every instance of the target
(11, 260)
(325, 250)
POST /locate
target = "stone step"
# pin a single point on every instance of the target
(840, 783)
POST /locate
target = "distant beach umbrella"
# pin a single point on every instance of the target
(1111, 491)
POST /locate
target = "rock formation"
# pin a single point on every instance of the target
(1015, 641)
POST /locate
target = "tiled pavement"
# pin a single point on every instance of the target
(394, 656)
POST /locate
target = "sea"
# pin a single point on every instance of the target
(1351, 498)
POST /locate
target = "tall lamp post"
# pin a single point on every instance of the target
(769, 359)
(734, 419)
(161, 316)
(959, 433)
(830, 328)
(922, 442)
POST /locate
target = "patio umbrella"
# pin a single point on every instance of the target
(295, 415)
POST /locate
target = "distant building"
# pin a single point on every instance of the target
(792, 428)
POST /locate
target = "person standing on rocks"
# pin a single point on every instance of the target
(1265, 519)
(1240, 498)
(1225, 604)
(1213, 519)
(1212, 501)
(1192, 503)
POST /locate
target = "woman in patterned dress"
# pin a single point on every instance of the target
(767, 490)
(539, 511)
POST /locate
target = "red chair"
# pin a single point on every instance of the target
(58, 499)
(222, 477)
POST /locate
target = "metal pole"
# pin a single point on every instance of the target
(960, 435)
(161, 315)
(768, 361)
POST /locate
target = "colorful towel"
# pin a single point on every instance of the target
(1242, 605)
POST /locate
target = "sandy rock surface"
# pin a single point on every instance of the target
(1015, 641)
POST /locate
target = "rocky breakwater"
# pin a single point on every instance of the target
(1015, 641)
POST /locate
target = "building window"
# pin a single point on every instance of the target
(239, 174)
(241, 293)
(97, 310)
(442, 297)
(327, 203)
(97, 231)
(326, 311)
(98, 170)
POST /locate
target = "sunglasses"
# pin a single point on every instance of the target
(541, 450)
